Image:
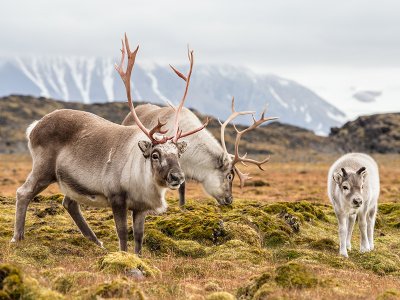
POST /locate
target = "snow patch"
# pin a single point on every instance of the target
(154, 87)
(34, 75)
(108, 79)
(278, 98)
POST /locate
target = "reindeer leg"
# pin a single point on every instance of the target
(120, 212)
(138, 230)
(182, 194)
(74, 211)
(34, 184)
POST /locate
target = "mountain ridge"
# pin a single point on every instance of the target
(94, 80)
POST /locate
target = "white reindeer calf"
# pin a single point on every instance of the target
(353, 188)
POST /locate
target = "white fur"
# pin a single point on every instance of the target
(345, 213)
(30, 128)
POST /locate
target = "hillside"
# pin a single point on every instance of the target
(17, 112)
(373, 134)
(94, 80)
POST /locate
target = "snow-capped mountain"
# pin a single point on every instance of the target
(91, 80)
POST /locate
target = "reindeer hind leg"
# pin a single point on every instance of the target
(74, 211)
(36, 182)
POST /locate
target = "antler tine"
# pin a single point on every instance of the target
(239, 135)
(233, 115)
(126, 78)
(177, 132)
(242, 176)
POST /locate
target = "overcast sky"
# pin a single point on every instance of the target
(288, 37)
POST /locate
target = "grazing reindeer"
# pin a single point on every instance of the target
(204, 161)
(99, 163)
(353, 188)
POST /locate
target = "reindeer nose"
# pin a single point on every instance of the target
(175, 177)
(357, 201)
(228, 200)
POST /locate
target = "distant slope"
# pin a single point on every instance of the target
(374, 134)
(94, 80)
(17, 112)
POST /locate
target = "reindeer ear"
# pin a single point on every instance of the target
(145, 146)
(338, 177)
(182, 146)
(362, 171)
(223, 161)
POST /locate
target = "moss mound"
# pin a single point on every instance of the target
(391, 212)
(305, 211)
(11, 285)
(380, 263)
(207, 228)
(220, 296)
(122, 262)
(276, 238)
(119, 289)
(324, 244)
(14, 286)
(159, 243)
(236, 250)
(248, 291)
(242, 232)
(295, 275)
(66, 282)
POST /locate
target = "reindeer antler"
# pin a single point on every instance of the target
(126, 78)
(236, 157)
(177, 132)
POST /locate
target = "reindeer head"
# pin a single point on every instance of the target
(162, 151)
(351, 185)
(226, 166)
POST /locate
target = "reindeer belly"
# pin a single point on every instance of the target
(95, 200)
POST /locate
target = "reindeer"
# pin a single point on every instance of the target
(99, 163)
(205, 161)
(353, 188)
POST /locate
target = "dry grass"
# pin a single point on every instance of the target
(54, 247)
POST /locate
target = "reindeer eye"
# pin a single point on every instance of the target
(155, 156)
(230, 176)
(345, 187)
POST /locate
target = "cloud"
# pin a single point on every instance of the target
(256, 33)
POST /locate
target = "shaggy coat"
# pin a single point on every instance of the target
(353, 188)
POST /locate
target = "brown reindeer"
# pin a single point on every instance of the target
(99, 163)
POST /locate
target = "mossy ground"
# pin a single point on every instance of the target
(254, 249)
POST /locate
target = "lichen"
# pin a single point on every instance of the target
(295, 275)
(242, 232)
(122, 262)
(390, 294)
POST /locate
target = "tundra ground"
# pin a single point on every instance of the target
(278, 240)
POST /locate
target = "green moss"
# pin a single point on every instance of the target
(391, 212)
(65, 282)
(325, 244)
(239, 251)
(193, 225)
(248, 291)
(243, 233)
(295, 275)
(288, 254)
(380, 263)
(11, 281)
(119, 289)
(276, 238)
(159, 243)
(305, 211)
(264, 292)
(122, 262)
(220, 296)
